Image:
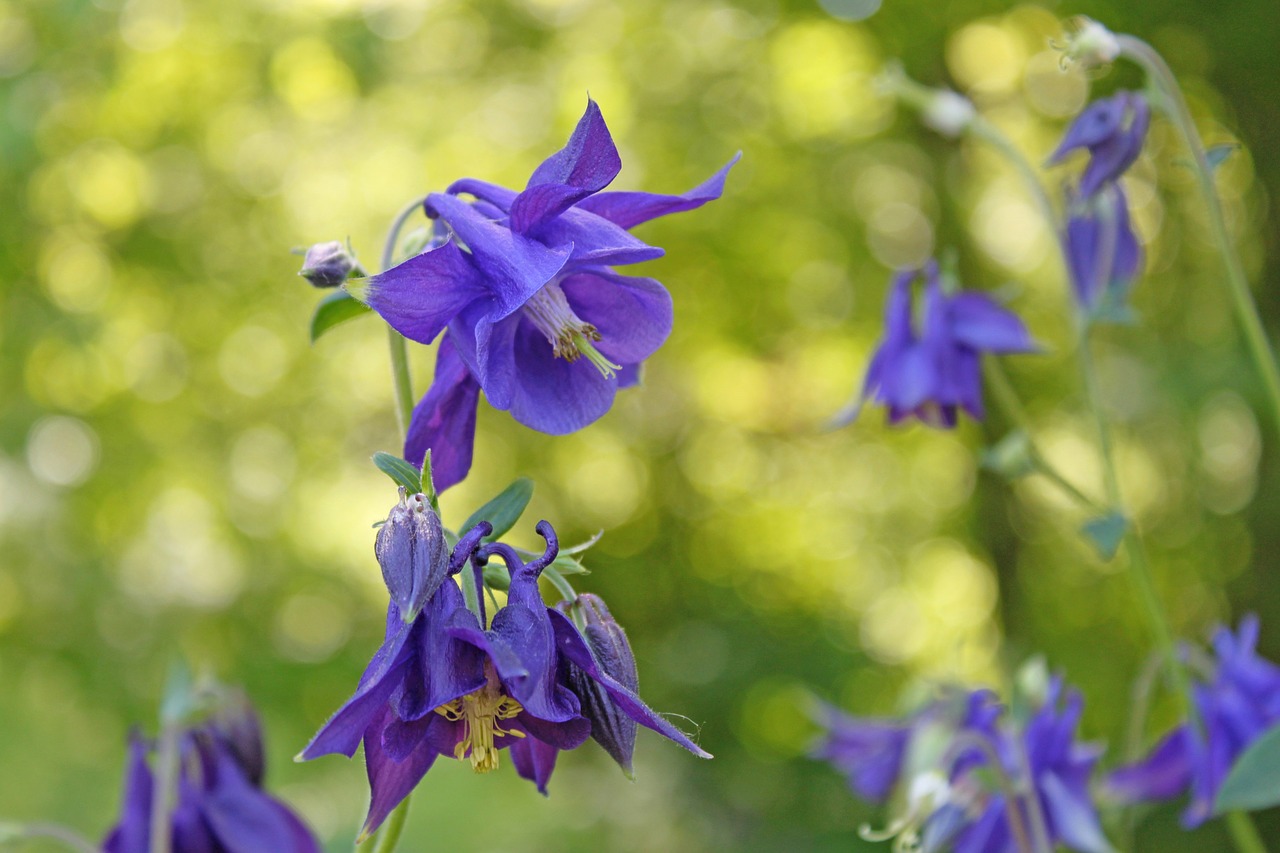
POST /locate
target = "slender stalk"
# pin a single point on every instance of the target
(1013, 810)
(1244, 834)
(560, 582)
(166, 781)
(69, 838)
(400, 376)
(1246, 310)
(989, 133)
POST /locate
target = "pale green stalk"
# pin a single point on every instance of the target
(400, 377)
(1246, 310)
(389, 835)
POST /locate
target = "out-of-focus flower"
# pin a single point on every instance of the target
(328, 264)
(1103, 254)
(445, 684)
(931, 370)
(1090, 43)
(1112, 130)
(536, 316)
(219, 803)
(1238, 702)
(942, 758)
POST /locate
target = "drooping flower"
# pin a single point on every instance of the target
(942, 758)
(447, 681)
(932, 370)
(219, 803)
(1112, 130)
(523, 283)
(1237, 702)
(1103, 254)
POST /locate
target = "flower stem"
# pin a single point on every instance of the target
(1255, 334)
(560, 582)
(400, 377)
(1244, 834)
(166, 782)
(1013, 809)
(69, 838)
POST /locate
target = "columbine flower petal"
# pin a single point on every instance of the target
(587, 164)
(535, 761)
(552, 395)
(629, 209)
(391, 780)
(444, 421)
(133, 833)
(419, 297)
(1113, 130)
(869, 753)
(633, 315)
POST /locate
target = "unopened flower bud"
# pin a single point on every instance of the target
(328, 264)
(610, 727)
(235, 725)
(413, 554)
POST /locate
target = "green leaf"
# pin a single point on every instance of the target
(1105, 533)
(504, 510)
(400, 472)
(1010, 457)
(1254, 780)
(567, 564)
(337, 307)
(496, 576)
(1218, 154)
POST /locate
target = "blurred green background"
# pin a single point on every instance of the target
(181, 472)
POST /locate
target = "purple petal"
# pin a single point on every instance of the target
(868, 752)
(573, 647)
(979, 323)
(564, 735)
(629, 209)
(513, 266)
(133, 833)
(420, 296)
(629, 376)
(444, 421)
(1072, 816)
(499, 197)
(534, 760)
(632, 315)
(448, 667)
(391, 781)
(1164, 774)
(345, 728)
(245, 820)
(586, 165)
(596, 241)
(529, 636)
(1096, 123)
(190, 832)
(553, 395)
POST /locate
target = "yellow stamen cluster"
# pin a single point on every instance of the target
(479, 713)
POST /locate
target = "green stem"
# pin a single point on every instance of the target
(400, 376)
(561, 583)
(69, 838)
(1244, 834)
(389, 835)
(1246, 310)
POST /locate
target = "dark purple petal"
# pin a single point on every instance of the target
(446, 667)
(564, 735)
(978, 322)
(444, 421)
(553, 395)
(573, 647)
(989, 833)
(529, 636)
(586, 165)
(420, 296)
(391, 781)
(632, 315)
(345, 728)
(1095, 124)
(534, 760)
(628, 209)
(190, 832)
(512, 266)
(245, 820)
(133, 833)
(596, 241)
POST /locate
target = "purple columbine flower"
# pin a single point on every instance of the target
(1103, 254)
(219, 803)
(932, 370)
(941, 757)
(1112, 130)
(444, 684)
(523, 282)
(1237, 704)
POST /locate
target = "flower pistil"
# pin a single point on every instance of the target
(569, 336)
(480, 712)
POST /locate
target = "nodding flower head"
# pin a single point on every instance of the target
(1103, 253)
(931, 369)
(1112, 130)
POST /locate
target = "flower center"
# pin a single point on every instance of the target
(480, 713)
(568, 335)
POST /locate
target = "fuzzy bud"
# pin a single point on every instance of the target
(328, 264)
(413, 554)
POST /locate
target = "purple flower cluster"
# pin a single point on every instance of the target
(219, 803)
(1103, 254)
(522, 284)
(931, 369)
(449, 681)
(1236, 702)
(955, 741)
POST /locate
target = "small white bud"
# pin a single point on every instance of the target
(947, 112)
